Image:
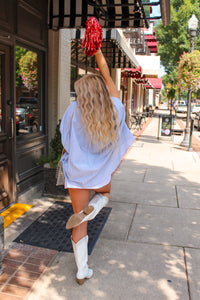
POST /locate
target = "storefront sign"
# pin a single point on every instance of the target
(166, 125)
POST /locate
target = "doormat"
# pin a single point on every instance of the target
(14, 212)
(49, 231)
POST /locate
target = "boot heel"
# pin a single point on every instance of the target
(87, 210)
(80, 281)
(77, 219)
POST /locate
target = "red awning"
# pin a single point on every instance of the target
(143, 81)
(133, 73)
(155, 82)
(153, 50)
(152, 44)
(137, 76)
(150, 38)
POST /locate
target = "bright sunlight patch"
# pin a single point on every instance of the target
(14, 212)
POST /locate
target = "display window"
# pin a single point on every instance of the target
(28, 91)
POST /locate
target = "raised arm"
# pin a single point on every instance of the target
(103, 67)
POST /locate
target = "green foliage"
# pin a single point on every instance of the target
(170, 78)
(28, 69)
(55, 150)
(170, 83)
(56, 147)
(19, 52)
(174, 39)
(189, 71)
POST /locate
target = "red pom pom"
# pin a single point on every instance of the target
(92, 40)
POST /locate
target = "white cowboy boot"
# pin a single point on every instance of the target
(81, 257)
(89, 212)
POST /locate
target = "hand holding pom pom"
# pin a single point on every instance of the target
(92, 40)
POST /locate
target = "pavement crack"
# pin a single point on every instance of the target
(176, 191)
(145, 172)
(134, 212)
(186, 272)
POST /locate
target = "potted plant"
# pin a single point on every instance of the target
(49, 163)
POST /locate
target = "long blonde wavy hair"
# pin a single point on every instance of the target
(97, 111)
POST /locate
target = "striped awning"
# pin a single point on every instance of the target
(144, 81)
(110, 13)
(149, 37)
(133, 73)
(139, 78)
(114, 47)
(156, 83)
(152, 44)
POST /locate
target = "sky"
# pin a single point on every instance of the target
(162, 71)
(155, 10)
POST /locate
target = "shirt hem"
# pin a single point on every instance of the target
(69, 185)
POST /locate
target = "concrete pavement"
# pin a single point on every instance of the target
(149, 248)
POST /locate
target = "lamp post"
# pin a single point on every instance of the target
(172, 95)
(192, 24)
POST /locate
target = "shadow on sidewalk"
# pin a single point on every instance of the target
(145, 264)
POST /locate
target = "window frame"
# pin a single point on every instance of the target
(43, 90)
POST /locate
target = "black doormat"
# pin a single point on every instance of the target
(49, 231)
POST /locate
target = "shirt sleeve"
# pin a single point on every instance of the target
(66, 123)
(119, 109)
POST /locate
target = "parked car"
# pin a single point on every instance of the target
(197, 121)
(28, 100)
(195, 108)
(181, 108)
(20, 119)
(30, 108)
(177, 103)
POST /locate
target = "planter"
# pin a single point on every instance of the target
(50, 188)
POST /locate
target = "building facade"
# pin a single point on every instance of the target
(23, 100)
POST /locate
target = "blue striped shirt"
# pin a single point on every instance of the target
(84, 165)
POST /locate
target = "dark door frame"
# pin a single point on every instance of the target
(7, 136)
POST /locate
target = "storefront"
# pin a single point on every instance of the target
(35, 88)
(23, 97)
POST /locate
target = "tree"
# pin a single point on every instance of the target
(28, 69)
(174, 39)
(189, 71)
(19, 52)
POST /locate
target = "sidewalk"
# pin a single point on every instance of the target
(149, 248)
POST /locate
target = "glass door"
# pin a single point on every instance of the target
(6, 130)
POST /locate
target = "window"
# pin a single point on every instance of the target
(28, 91)
(76, 73)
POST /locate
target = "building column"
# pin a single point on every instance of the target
(64, 71)
(52, 82)
(116, 77)
(138, 97)
(59, 66)
(151, 97)
(129, 100)
(141, 98)
(157, 99)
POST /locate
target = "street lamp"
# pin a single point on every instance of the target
(172, 94)
(192, 24)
